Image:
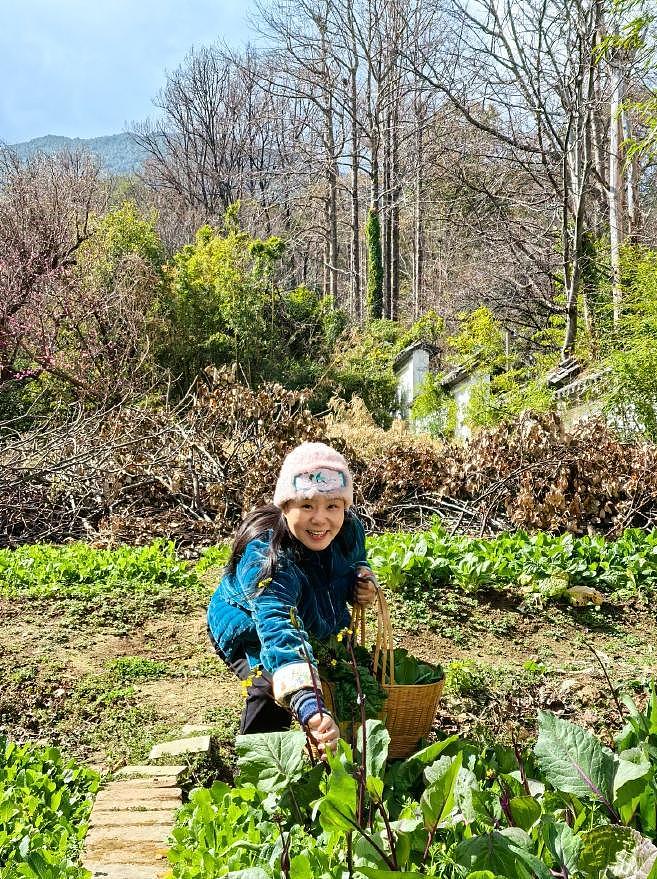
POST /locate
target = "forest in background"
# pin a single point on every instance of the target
(477, 176)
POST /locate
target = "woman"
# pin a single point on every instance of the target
(294, 566)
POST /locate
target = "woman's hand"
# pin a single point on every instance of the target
(366, 586)
(325, 731)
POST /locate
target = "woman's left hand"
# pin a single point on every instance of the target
(366, 586)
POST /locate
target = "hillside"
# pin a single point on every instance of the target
(118, 153)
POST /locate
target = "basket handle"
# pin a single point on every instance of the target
(384, 651)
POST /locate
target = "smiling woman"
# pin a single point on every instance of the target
(294, 567)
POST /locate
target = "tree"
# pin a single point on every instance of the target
(374, 265)
(523, 74)
(46, 206)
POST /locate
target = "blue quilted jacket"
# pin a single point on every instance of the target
(316, 584)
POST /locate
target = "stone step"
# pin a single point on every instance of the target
(134, 790)
(138, 798)
(149, 771)
(126, 871)
(163, 782)
(126, 817)
(99, 839)
(192, 746)
(191, 729)
(150, 853)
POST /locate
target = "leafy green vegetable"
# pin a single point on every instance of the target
(335, 667)
(45, 802)
(573, 760)
(452, 810)
(537, 567)
(409, 670)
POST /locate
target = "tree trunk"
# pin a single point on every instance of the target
(374, 265)
(394, 214)
(418, 223)
(632, 184)
(386, 220)
(356, 297)
(615, 188)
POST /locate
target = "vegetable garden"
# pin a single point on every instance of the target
(542, 762)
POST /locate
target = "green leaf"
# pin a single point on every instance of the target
(622, 852)
(376, 751)
(640, 862)
(632, 770)
(563, 844)
(573, 760)
(402, 777)
(270, 761)
(601, 846)
(464, 789)
(337, 808)
(300, 867)
(496, 852)
(437, 801)
(375, 787)
(525, 811)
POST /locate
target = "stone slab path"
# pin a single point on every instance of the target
(132, 818)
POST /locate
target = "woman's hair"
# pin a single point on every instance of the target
(270, 518)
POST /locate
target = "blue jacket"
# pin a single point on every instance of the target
(246, 612)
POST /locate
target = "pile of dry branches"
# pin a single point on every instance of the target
(130, 474)
(190, 472)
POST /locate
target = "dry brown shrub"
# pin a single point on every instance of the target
(544, 478)
(191, 472)
(353, 425)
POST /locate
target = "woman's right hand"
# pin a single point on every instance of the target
(325, 731)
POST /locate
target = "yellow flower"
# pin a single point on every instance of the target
(258, 673)
(344, 632)
(264, 583)
(334, 662)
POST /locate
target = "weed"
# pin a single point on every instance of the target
(468, 678)
(134, 668)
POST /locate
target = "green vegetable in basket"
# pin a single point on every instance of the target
(409, 670)
(334, 664)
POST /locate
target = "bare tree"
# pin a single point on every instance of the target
(45, 208)
(524, 74)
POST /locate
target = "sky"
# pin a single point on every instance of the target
(85, 68)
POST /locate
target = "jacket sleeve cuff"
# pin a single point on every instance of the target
(293, 677)
(305, 704)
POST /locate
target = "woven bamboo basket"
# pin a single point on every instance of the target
(410, 709)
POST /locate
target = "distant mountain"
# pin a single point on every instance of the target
(118, 153)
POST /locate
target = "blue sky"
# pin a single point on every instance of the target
(84, 68)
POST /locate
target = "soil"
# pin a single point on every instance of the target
(502, 664)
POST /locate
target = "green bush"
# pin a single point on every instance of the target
(362, 364)
(631, 350)
(45, 802)
(434, 410)
(506, 396)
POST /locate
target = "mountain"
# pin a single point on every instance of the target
(118, 153)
